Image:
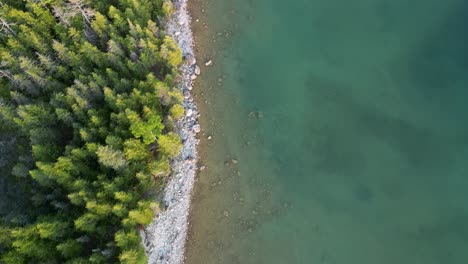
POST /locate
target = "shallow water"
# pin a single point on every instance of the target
(338, 132)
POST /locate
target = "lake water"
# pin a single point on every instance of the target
(334, 132)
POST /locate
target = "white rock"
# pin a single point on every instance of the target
(190, 88)
(208, 63)
(189, 112)
(197, 70)
(196, 128)
(191, 60)
(193, 76)
(177, 33)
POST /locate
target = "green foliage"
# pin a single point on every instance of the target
(170, 144)
(160, 167)
(176, 111)
(171, 52)
(69, 249)
(135, 150)
(142, 217)
(98, 209)
(147, 129)
(84, 86)
(52, 229)
(110, 157)
(124, 197)
(168, 7)
(129, 257)
(87, 222)
(126, 240)
(119, 210)
(26, 242)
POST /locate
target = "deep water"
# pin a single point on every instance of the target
(339, 132)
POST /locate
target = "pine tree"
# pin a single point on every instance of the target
(110, 157)
(135, 150)
(169, 144)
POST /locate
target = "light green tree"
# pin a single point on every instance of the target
(135, 150)
(127, 239)
(177, 111)
(129, 257)
(110, 157)
(147, 129)
(52, 229)
(171, 52)
(87, 222)
(169, 144)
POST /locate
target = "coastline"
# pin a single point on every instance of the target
(165, 238)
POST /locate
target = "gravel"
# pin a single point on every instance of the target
(164, 239)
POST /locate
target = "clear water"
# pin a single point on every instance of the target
(347, 123)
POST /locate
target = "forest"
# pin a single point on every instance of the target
(87, 110)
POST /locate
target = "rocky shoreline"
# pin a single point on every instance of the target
(164, 239)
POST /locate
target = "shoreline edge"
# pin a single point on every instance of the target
(165, 238)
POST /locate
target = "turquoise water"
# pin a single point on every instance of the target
(347, 121)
